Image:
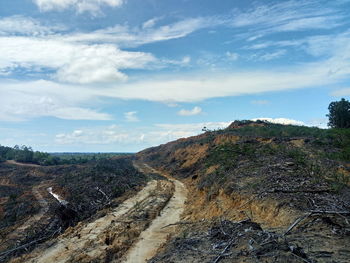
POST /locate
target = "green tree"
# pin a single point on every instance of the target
(339, 114)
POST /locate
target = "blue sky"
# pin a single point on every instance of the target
(123, 75)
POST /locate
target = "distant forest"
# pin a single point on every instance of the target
(26, 154)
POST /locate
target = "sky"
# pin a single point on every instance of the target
(124, 75)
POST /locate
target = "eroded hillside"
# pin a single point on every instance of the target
(265, 191)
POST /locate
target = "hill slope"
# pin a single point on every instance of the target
(289, 185)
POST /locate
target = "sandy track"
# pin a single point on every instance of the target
(153, 237)
(22, 164)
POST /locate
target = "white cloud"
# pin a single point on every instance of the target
(150, 23)
(319, 22)
(171, 104)
(185, 61)
(81, 6)
(282, 43)
(78, 133)
(341, 92)
(260, 102)
(285, 16)
(75, 59)
(136, 36)
(281, 121)
(261, 20)
(232, 56)
(176, 131)
(272, 55)
(320, 123)
(17, 24)
(131, 116)
(192, 88)
(76, 113)
(43, 98)
(78, 58)
(75, 63)
(142, 137)
(112, 134)
(195, 111)
(22, 101)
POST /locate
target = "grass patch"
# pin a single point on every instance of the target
(339, 181)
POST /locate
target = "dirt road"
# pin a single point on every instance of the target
(153, 237)
(22, 164)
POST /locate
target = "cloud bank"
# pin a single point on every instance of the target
(81, 6)
(195, 111)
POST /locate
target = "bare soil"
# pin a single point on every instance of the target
(162, 227)
(22, 164)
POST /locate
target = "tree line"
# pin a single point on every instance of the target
(25, 154)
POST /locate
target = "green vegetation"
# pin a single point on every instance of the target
(298, 156)
(227, 155)
(277, 130)
(27, 155)
(80, 158)
(339, 114)
(335, 138)
(339, 181)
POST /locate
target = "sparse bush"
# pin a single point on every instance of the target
(339, 181)
(298, 156)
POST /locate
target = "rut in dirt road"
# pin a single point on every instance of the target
(153, 237)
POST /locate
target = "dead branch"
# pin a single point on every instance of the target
(249, 201)
(296, 222)
(303, 259)
(24, 246)
(243, 221)
(222, 229)
(312, 212)
(223, 252)
(103, 193)
(330, 212)
(300, 191)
